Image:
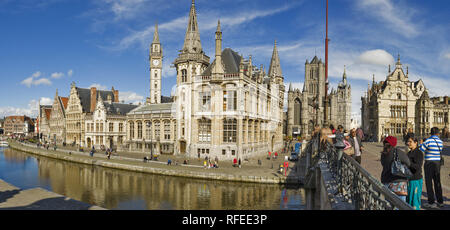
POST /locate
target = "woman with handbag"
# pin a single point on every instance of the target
(416, 181)
(389, 156)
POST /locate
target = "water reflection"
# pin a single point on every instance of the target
(117, 189)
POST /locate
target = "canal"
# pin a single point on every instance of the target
(123, 190)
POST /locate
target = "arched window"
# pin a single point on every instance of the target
(139, 124)
(183, 75)
(229, 130)
(399, 96)
(131, 130)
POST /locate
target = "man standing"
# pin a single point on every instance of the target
(432, 148)
(355, 141)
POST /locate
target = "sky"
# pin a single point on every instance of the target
(45, 45)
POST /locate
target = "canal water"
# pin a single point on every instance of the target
(123, 190)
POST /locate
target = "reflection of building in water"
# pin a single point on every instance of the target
(109, 188)
(13, 156)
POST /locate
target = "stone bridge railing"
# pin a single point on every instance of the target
(345, 181)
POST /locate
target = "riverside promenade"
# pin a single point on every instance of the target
(370, 161)
(13, 198)
(250, 170)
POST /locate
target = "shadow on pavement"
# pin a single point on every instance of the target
(57, 203)
(4, 196)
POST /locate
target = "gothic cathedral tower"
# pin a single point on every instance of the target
(155, 68)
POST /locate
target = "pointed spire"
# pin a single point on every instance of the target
(389, 71)
(192, 42)
(373, 79)
(398, 64)
(56, 95)
(290, 87)
(156, 35)
(275, 67)
(218, 40)
(344, 77)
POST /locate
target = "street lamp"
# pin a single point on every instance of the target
(151, 144)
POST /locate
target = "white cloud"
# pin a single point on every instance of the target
(31, 110)
(376, 57)
(57, 75)
(98, 86)
(130, 97)
(46, 101)
(32, 80)
(447, 55)
(70, 73)
(204, 21)
(397, 17)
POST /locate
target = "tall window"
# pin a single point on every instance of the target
(148, 131)
(120, 127)
(204, 101)
(139, 124)
(157, 129)
(183, 75)
(111, 127)
(131, 130)
(229, 100)
(229, 130)
(167, 130)
(204, 130)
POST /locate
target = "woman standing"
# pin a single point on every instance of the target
(415, 182)
(397, 184)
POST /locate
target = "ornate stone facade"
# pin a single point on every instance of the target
(396, 104)
(43, 122)
(306, 108)
(82, 102)
(57, 121)
(226, 109)
(107, 125)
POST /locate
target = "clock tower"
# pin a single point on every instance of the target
(155, 68)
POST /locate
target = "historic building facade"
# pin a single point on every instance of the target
(306, 108)
(57, 122)
(82, 102)
(43, 122)
(392, 106)
(19, 125)
(226, 109)
(107, 125)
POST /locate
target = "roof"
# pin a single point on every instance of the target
(85, 97)
(231, 61)
(166, 99)
(119, 108)
(64, 101)
(47, 113)
(149, 108)
(315, 60)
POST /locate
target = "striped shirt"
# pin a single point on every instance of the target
(432, 148)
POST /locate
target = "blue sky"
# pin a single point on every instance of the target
(47, 44)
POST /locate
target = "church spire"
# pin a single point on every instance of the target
(192, 42)
(275, 67)
(156, 35)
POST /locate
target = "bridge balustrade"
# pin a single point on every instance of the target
(355, 184)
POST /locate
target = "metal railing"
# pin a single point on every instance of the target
(356, 185)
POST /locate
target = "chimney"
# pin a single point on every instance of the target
(93, 98)
(116, 95)
(446, 100)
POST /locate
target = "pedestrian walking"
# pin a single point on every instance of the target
(92, 151)
(357, 145)
(397, 184)
(432, 148)
(239, 162)
(416, 181)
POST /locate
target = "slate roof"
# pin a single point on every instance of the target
(85, 97)
(166, 99)
(230, 60)
(153, 108)
(118, 108)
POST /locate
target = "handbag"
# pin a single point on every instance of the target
(398, 168)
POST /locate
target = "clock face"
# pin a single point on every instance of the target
(155, 62)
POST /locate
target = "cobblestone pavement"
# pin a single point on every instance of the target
(371, 162)
(13, 198)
